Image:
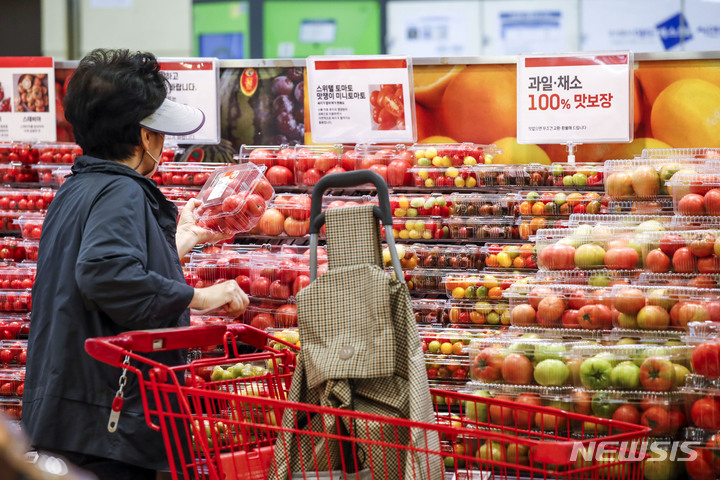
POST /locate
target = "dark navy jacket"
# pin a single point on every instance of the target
(107, 264)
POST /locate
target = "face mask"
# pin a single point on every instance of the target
(154, 169)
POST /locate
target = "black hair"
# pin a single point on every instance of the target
(108, 95)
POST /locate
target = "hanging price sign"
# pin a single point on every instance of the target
(361, 99)
(194, 81)
(27, 99)
(579, 98)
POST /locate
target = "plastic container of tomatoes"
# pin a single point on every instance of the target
(14, 326)
(702, 337)
(52, 175)
(12, 382)
(180, 193)
(447, 256)
(682, 251)
(701, 398)
(233, 199)
(529, 226)
(662, 412)
(26, 200)
(16, 152)
(279, 161)
(696, 194)
(264, 314)
(586, 248)
(287, 215)
(20, 277)
(683, 222)
(465, 176)
(421, 228)
(279, 276)
(556, 397)
(185, 174)
(560, 306)
(660, 308)
(621, 336)
(428, 311)
(447, 368)
(680, 280)
(529, 361)
(407, 255)
(426, 280)
(12, 407)
(13, 353)
(510, 257)
(577, 175)
(484, 205)
(701, 461)
(31, 225)
(392, 162)
(9, 220)
(484, 285)
(645, 222)
(453, 154)
(643, 367)
(666, 153)
(58, 153)
(421, 205)
(646, 178)
(658, 206)
(557, 203)
(28, 249)
(597, 337)
(483, 228)
(591, 278)
(312, 162)
(478, 313)
(14, 173)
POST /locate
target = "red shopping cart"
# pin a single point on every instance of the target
(229, 428)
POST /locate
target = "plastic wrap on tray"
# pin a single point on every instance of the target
(646, 178)
(682, 251)
(12, 382)
(426, 280)
(31, 225)
(560, 306)
(9, 220)
(683, 222)
(554, 204)
(510, 257)
(13, 353)
(586, 248)
(26, 200)
(52, 175)
(14, 326)
(701, 398)
(661, 308)
(57, 153)
(634, 367)
(483, 285)
(478, 313)
(17, 173)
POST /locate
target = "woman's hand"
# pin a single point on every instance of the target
(189, 234)
(227, 295)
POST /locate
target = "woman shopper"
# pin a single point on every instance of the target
(109, 261)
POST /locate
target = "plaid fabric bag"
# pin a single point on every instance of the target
(360, 351)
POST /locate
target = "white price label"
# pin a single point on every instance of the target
(27, 99)
(221, 184)
(579, 98)
(361, 99)
(194, 81)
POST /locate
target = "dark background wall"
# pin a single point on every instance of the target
(20, 28)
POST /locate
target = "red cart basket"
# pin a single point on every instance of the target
(229, 428)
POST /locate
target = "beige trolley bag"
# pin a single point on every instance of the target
(360, 351)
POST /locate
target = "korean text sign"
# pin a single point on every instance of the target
(579, 98)
(27, 99)
(361, 99)
(194, 81)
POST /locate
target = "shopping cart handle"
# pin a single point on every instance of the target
(346, 180)
(112, 350)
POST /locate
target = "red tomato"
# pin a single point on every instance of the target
(700, 468)
(683, 260)
(705, 413)
(262, 156)
(517, 369)
(692, 204)
(279, 176)
(595, 317)
(398, 173)
(657, 419)
(657, 261)
(286, 316)
(706, 359)
(525, 416)
(487, 365)
(657, 374)
(621, 258)
(501, 415)
(628, 414)
(558, 257)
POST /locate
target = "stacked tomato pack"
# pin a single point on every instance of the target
(31, 174)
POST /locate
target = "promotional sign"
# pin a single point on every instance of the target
(194, 81)
(27, 99)
(578, 98)
(361, 99)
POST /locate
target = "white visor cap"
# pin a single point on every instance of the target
(173, 118)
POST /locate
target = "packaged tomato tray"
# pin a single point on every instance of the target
(420, 205)
(447, 256)
(279, 161)
(537, 395)
(13, 353)
(585, 247)
(453, 154)
(422, 228)
(484, 204)
(529, 226)
(428, 311)
(312, 162)
(643, 367)
(180, 193)
(680, 280)
(702, 337)
(9, 220)
(31, 225)
(591, 278)
(481, 285)
(682, 222)
(582, 175)
(622, 336)
(425, 280)
(696, 194)
(17, 277)
(453, 178)
(287, 215)
(447, 368)
(407, 255)
(641, 223)
(482, 228)
(557, 204)
(701, 398)
(560, 306)
(280, 276)
(646, 178)
(662, 412)
(668, 153)
(510, 257)
(392, 162)
(15, 326)
(14, 173)
(185, 174)
(477, 313)
(16, 152)
(233, 199)
(52, 175)
(658, 206)
(15, 301)
(57, 153)
(26, 200)
(525, 361)
(12, 407)
(682, 251)
(12, 382)
(264, 314)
